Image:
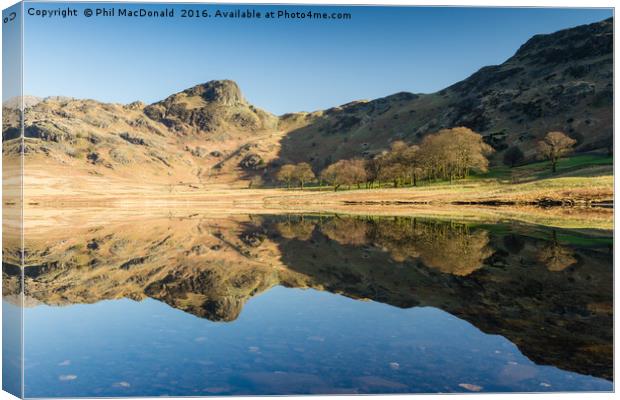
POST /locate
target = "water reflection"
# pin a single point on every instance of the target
(552, 298)
(547, 291)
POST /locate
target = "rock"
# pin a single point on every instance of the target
(251, 161)
(214, 106)
(252, 239)
(225, 92)
(471, 387)
(136, 105)
(50, 132)
(200, 152)
(93, 157)
(133, 139)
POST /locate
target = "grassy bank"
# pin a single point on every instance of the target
(565, 190)
(580, 180)
(579, 165)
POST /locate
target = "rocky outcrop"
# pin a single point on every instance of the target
(210, 107)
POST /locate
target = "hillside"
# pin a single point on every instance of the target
(210, 135)
(204, 134)
(562, 81)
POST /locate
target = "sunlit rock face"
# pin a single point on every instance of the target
(210, 107)
(224, 92)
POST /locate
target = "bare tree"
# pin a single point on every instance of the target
(373, 168)
(554, 146)
(447, 154)
(468, 151)
(357, 171)
(303, 173)
(334, 174)
(453, 153)
(411, 158)
(394, 172)
(286, 174)
(345, 172)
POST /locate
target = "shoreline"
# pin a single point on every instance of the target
(596, 191)
(564, 201)
(42, 218)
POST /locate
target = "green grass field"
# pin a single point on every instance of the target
(578, 165)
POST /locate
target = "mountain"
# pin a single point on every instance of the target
(210, 134)
(562, 81)
(206, 134)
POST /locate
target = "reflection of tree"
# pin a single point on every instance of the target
(347, 231)
(555, 318)
(450, 247)
(296, 228)
(555, 256)
(397, 236)
(456, 251)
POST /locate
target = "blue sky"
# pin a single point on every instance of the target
(281, 65)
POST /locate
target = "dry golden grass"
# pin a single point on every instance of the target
(46, 192)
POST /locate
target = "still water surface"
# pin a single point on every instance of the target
(302, 304)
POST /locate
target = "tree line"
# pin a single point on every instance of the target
(448, 246)
(447, 155)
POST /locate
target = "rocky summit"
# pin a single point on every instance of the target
(209, 107)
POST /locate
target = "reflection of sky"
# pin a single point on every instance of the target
(11, 347)
(285, 341)
(281, 66)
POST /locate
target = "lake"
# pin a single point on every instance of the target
(315, 304)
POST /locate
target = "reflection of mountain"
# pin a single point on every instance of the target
(201, 267)
(550, 297)
(510, 285)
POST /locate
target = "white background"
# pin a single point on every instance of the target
(504, 3)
